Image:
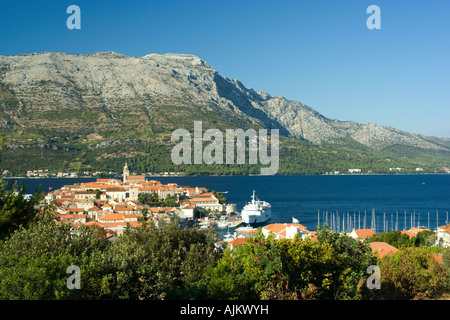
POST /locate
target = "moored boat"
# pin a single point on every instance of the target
(256, 212)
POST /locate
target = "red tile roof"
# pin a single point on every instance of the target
(112, 216)
(364, 233)
(210, 199)
(114, 189)
(279, 227)
(417, 230)
(237, 241)
(446, 228)
(382, 248)
(410, 234)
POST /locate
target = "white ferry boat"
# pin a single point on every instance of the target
(256, 212)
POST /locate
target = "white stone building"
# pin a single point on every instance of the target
(443, 236)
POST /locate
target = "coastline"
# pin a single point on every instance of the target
(237, 175)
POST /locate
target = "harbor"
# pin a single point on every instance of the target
(231, 226)
(382, 221)
(255, 213)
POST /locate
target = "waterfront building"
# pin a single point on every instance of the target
(208, 203)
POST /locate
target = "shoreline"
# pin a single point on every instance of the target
(248, 175)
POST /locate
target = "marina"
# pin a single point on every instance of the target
(381, 221)
(222, 222)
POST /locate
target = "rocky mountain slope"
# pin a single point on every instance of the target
(91, 93)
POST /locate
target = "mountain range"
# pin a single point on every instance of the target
(106, 98)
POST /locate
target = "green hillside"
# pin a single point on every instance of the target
(146, 151)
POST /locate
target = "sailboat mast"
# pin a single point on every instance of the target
(404, 226)
(365, 219)
(437, 219)
(318, 217)
(359, 220)
(332, 220)
(373, 224)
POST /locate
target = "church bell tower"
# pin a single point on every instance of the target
(126, 173)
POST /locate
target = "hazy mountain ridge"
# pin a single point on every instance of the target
(111, 90)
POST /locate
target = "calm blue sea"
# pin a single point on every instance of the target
(425, 199)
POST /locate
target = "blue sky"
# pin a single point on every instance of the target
(318, 52)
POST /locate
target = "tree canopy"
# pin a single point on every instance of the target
(171, 262)
(15, 208)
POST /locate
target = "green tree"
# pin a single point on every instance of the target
(34, 262)
(263, 268)
(308, 267)
(170, 201)
(15, 209)
(164, 262)
(351, 260)
(424, 238)
(98, 194)
(150, 199)
(246, 271)
(145, 216)
(219, 196)
(446, 262)
(410, 273)
(399, 240)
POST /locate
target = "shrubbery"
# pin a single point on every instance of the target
(170, 262)
(411, 273)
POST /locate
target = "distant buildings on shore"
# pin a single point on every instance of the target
(41, 173)
(393, 170)
(46, 173)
